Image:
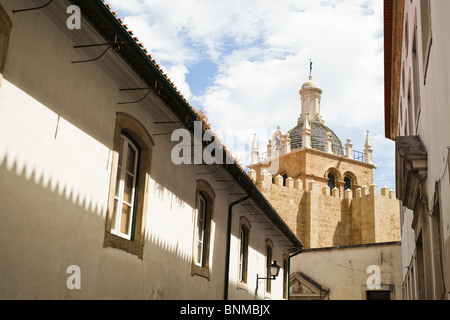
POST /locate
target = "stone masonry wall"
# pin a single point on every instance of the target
(321, 220)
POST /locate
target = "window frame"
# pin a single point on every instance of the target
(330, 180)
(269, 261)
(384, 289)
(201, 231)
(116, 226)
(204, 191)
(416, 79)
(427, 35)
(127, 125)
(244, 241)
(351, 185)
(348, 185)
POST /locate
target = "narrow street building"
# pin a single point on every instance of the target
(98, 199)
(417, 113)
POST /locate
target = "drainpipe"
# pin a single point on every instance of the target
(227, 258)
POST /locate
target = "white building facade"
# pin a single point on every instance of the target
(92, 205)
(417, 115)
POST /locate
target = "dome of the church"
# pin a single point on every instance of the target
(311, 84)
(318, 137)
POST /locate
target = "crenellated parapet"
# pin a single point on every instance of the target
(268, 180)
(322, 189)
(322, 217)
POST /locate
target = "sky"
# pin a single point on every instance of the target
(244, 62)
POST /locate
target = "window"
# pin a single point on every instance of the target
(125, 195)
(437, 256)
(128, 190)
(416, 81)
(269, 255)
(410, 112)
(243, 249)
(202, 231)
(403, 81)
(285, 176)
(420, 269)
(331, 182)
(5, 29)
(425, 13)
(378, 295)
(347, 183)
(407, 35)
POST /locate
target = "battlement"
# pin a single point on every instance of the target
(322, 217)
(267, 180)
(348, 194)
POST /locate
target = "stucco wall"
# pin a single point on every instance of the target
(430, 90)
(343, 271)
(57, 122)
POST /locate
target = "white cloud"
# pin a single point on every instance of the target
(262, 52)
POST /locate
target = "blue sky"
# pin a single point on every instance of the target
(244, 62)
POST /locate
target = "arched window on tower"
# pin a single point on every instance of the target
(285, 176)
(331, 182)
(347, 184)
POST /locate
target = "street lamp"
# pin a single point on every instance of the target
(274, 271)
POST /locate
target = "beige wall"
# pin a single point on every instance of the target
(57, 122)
(343, 271)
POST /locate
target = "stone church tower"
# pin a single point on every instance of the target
(322, 189)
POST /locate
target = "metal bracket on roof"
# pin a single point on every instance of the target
(31, 9)
(150, 90)
(170, 122)
(114, 45)
(229, 188)
(168, 133)
(166, 122)
(94, 45)
(212, 172)
(135, 89)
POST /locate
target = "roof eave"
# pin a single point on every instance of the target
(108, 25)
(393, 26)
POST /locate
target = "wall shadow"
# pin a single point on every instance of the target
(44, 229)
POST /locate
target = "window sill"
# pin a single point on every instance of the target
(267, 295)
(200, 271)
(242, 286)
(116, 242)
